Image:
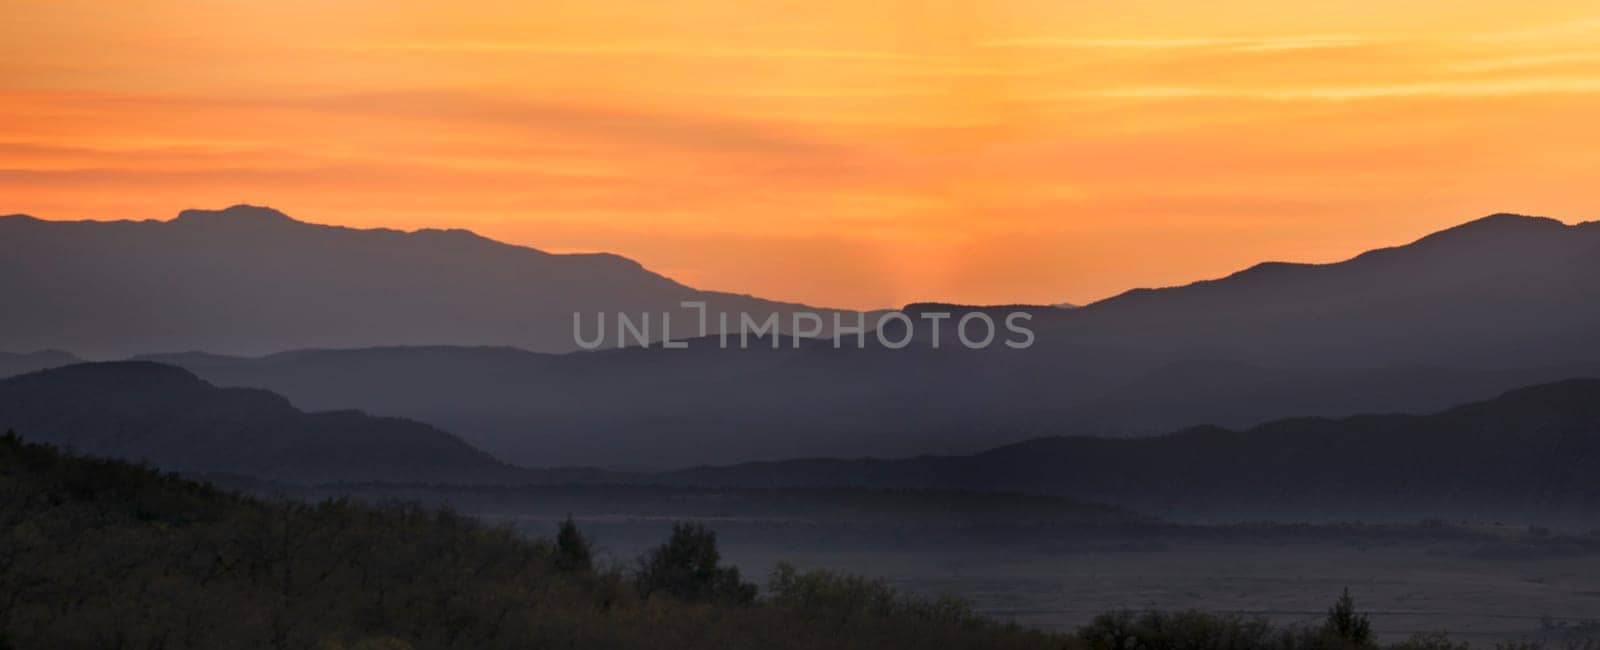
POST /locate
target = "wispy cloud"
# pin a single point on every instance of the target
(1528, 61)
(707, 131)
(1491, 88)
(1238, 44)
(638, 49)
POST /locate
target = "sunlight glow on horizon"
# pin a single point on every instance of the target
(840, 154)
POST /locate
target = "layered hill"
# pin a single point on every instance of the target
(168, 417)
(1531, 454)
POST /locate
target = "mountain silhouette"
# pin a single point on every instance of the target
(1531, 454)
(1504, 290)
(166, 416)
(252, 280)
(1459, 315)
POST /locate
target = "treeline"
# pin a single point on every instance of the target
(105, 554)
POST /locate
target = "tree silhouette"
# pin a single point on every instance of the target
(686, 567)
(573, 552)
(1345, 624)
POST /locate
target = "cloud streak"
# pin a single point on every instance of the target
(1446, 89)
(1238, 44)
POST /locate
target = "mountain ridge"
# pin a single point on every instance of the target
(253, 280)
(1499, 222)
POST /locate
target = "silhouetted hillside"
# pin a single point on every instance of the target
(168, 417)
(252, 280)
(1530, 454)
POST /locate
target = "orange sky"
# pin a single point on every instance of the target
(855, 154)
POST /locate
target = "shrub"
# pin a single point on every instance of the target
(845, 597)
(686, 568)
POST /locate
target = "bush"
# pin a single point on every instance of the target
(686, 568)
(845, 597)
(848, 610)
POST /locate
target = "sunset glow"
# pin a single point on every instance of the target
(852, 154)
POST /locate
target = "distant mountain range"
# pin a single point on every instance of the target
(252, 280)
(170, 418)
(1493, 304)
(1532, 454)
(1485, 307)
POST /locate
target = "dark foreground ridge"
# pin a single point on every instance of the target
(107, 554)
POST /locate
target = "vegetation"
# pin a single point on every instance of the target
(1195, 630)
(874, 615)
(686, 568)
(106, 554)
(1344, 628)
